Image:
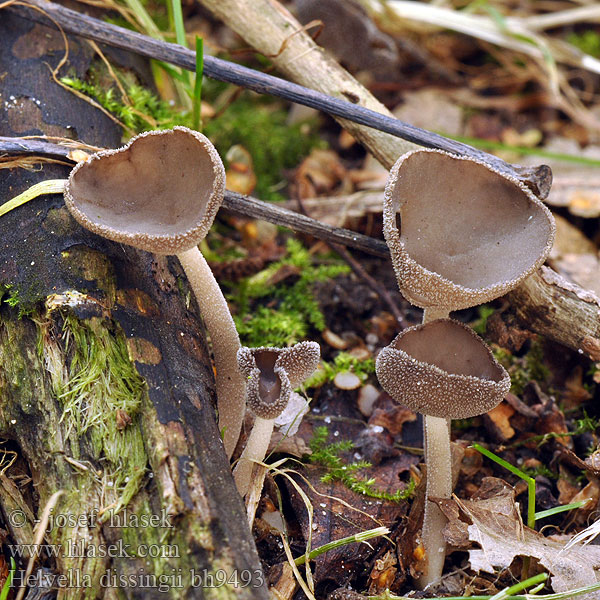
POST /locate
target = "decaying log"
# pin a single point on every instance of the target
(329, 87)
(106, 384)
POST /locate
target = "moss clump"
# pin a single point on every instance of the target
(9, 294)
(101, 394)
(261, 127)
(283, 314)
(587, 41)
(328, 456)
(143, 112)
(342, 362)
(522, 370)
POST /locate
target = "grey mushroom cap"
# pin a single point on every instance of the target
(443, 369)
(159, 193)
(272, 374)
(469, 233)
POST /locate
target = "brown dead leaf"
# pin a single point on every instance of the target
(321, 172)
(552, 420)
(240, 174)
(393, 418)
(293, 445)
(591, 493)
(339, 512)
(575, 393)
(471, 462)
(383, 573)
(503, 329)
(495, 524)
(566, 490)
(498, 420)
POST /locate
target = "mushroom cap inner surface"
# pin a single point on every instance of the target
(466, 222)
(159, 193)
(269, 385)
(451, 348)
(442, 369)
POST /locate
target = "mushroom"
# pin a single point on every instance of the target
(445, 371)
(160, 193)
(469, 233)
(271, 375)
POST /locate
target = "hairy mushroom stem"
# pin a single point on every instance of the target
(438, 458)
(255, 450)
(231, 387)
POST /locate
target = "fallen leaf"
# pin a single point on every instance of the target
(495, 524)
(575, 393)
(383, 573)
(498, 420)
(392, 419)
(552, 420)
(240, 171)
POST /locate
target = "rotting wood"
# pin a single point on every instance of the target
(273, 31)
(546, 308)
(106, 384)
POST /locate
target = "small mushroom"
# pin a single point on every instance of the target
(469, 234)
(160, 193)
(271, 375)
(443, 370)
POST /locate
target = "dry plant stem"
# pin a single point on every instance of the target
(438, 459)
(231, 388)
(255, 450)
(272, 30)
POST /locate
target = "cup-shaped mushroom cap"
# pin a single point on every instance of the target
(469, 234)
(443, 369)
(159, 193)
(272, 374)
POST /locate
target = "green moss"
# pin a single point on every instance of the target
(530, 367)
(342, 362)
(10, 295)
(587, 41)
(328, 456)
(101, 381)
(485, 312)
(261, 127)
(280, 315)
(143, 113)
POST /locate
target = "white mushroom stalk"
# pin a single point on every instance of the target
(271, 375)
(160, 193)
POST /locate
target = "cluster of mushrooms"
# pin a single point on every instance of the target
(123, 196)
(469, 234)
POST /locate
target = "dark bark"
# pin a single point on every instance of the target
(106, 385)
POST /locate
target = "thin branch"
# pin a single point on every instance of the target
(538, 178)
